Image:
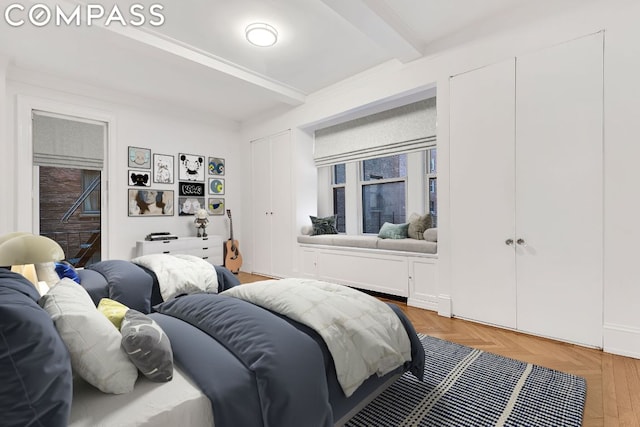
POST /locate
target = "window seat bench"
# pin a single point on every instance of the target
(401, 267)
(371, 242)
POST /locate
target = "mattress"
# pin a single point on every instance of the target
(174, 403)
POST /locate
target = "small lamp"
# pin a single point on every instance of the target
(22, 250)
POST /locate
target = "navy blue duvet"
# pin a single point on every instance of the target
(261, 369)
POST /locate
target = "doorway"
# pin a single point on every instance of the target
(68, 160)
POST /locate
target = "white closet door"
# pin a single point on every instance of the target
(482, 194)
(283, 239)
(559, 201)
(261, 170)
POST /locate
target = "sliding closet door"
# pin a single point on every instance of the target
(482, 194)
(559, 202)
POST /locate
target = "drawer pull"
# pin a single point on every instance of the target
(205, 257)
(166, 252)
(205, 249)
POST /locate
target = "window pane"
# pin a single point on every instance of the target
(432, 159)
(385, 167)
(91, 205)
(338, 208)
(339, 174)
(382, 203)
(433, 200)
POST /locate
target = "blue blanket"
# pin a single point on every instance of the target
(262, 369)
(265, 367)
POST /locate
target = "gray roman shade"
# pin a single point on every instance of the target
(64, 142)
(411, 127)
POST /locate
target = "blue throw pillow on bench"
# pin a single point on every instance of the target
(393, 231)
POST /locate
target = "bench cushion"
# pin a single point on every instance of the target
(408, 245)
(371, 242)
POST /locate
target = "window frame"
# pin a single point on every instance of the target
(428, 176)
(332, 188)
(87, 178)
(362, 183)
(416, 187)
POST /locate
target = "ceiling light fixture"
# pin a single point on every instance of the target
(260, 34)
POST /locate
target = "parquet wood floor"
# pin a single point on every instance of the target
(613, 382)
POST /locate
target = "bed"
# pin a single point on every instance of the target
(236, 363)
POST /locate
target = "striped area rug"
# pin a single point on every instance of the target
(468, 387)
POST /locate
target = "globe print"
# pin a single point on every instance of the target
(216, 186)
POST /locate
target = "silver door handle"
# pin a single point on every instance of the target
(508, 242)
(521, 242)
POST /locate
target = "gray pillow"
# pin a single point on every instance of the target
(326, 225)
(393, 231)
(148, 346)
(417, 225)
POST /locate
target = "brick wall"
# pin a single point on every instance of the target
(59, 189)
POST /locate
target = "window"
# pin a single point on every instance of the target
(385, 189)
(91, 184)
(432, 185)
(338, 182)
(383, 185)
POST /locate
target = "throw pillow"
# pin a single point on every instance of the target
(326, 225)
(393, 231)
(148, 346)
(113, 310)
(92, 341)
(417, 225)
(64, 269)
(431, 235)
(35, 368)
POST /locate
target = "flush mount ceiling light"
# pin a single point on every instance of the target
(260, 34)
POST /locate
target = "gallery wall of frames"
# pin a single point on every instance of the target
(152, 183)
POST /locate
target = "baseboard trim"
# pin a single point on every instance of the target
(420, 303)
(621, 340)
(444, 305)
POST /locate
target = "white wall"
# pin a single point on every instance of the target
(622, 176)
(133, 122)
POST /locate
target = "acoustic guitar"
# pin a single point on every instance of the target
(232, 257)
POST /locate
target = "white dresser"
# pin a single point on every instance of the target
(208, 248)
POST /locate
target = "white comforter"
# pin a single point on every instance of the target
(180, 274)
(362, 333)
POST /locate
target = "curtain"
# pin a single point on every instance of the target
(63, 141)
(411, 127)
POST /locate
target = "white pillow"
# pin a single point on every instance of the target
(92, 340)
(180, 274)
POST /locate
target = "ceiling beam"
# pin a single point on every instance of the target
(381, 24)
(283, 93)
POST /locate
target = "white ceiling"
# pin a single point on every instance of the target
(199, 57)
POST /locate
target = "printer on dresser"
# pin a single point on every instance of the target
(208, 248)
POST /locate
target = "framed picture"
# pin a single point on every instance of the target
(215, 206)
(216, 166)
(163, 169)
(191, 189)
(190, 205)
(139, 157)
(216, 186)
(191, 167)
(149, 202)
(139, 178)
